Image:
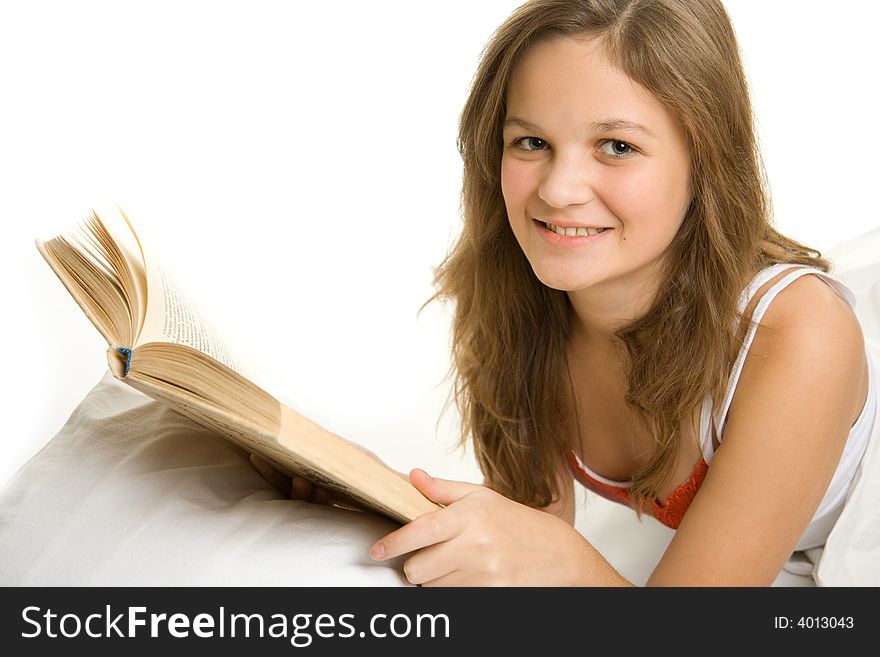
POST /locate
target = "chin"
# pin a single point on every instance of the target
(562, 281)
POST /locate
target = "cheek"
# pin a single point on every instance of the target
(517, 182)
(646, 196)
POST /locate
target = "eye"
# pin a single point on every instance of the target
(617, 148)
(530, 143)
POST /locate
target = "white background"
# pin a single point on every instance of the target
(294, 166)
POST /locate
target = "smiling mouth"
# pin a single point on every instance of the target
(572, 231)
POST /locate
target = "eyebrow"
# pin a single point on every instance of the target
(596, 126)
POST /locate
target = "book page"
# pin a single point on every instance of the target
(172, 317)
(109, 240)
(133, 253)
(100, 269)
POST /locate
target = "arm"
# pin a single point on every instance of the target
(794, 406)
(800, 389)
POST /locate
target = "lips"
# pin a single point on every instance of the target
(572, 231)
(570, 241)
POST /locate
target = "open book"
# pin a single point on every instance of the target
(159, 345)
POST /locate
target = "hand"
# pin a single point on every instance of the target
(295, 487)
(482, 538)
(299, 488)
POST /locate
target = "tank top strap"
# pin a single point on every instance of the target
(719, 417)
(758, 280)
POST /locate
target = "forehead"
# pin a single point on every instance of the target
(571, 81)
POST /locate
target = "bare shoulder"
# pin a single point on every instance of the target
(800, 389)
(811, 302)
(809, 327)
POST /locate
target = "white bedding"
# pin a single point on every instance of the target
(131, 493)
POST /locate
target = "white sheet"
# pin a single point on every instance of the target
(130, 493)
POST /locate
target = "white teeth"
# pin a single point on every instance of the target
(572, 232)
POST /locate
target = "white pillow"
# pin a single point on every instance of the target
(130, 493)
(851, 555)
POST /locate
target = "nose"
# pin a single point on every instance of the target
(566, 181)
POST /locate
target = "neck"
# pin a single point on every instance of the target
(599, 311)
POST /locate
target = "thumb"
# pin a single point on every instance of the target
(442, 491)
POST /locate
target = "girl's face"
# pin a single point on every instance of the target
(586, 148)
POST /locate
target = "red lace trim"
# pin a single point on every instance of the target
(670, 513)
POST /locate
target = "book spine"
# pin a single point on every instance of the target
(127, 353)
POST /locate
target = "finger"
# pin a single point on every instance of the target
(425, 530)
(320, 496)
(301, 489)
(431, 563)
(456, 578)
(270, 474)
(442, 491)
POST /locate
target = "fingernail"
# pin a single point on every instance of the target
(377, 551)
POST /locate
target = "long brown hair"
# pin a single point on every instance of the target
(510, 332)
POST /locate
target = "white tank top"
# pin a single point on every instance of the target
(857, 441)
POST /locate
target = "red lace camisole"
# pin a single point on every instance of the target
(670, 512)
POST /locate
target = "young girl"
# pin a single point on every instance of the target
(616, 235)
(627, 318)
